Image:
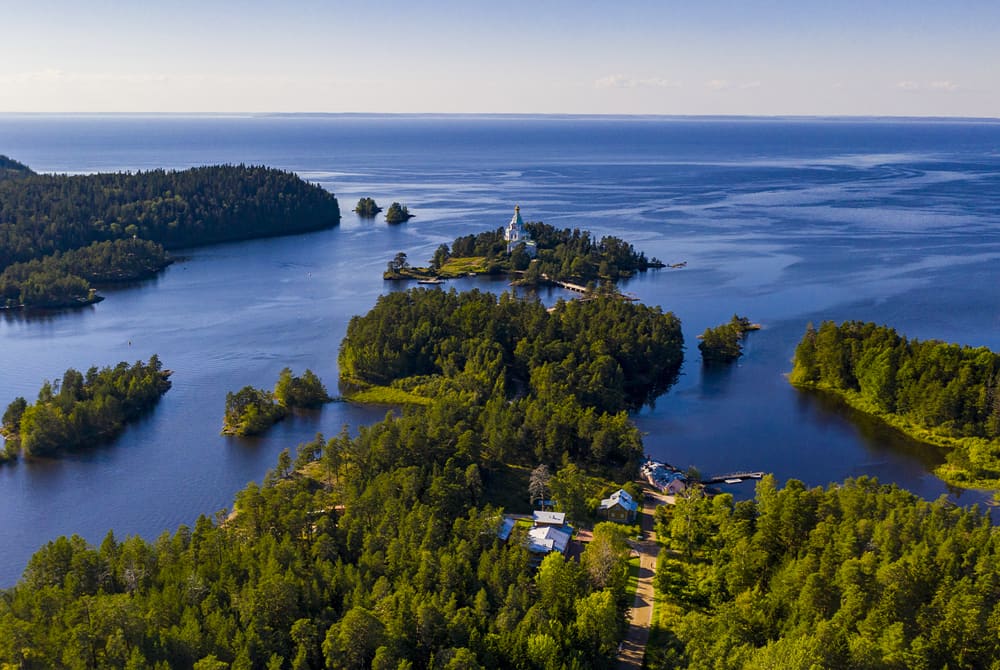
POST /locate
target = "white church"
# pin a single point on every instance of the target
(515, 234)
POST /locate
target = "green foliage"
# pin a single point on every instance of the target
(10, 168)
(83, 410)
(397, 213)
(42, 214)
(441, 256)
(857, 575)
(387, 559)
(723, 344)
(942, 393)
(366, 207)
(251, 411)
(396, 265)
(574, 255)
(63, 279)
(575, 371)
(564, 255)
(606, 353)
(306, 391)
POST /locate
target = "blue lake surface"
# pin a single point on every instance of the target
(784, 220)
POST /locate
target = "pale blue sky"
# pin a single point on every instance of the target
(890, 57)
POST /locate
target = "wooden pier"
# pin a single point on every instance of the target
(733, 477)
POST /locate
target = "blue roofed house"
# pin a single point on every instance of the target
(620, 507)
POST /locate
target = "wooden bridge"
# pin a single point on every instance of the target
(733, 477)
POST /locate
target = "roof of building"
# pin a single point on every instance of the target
(620, 497)
(549, 518)
(546, 539)
(506, 526)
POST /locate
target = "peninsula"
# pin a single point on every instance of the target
(60, 233)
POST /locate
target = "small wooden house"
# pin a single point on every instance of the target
(620, 507)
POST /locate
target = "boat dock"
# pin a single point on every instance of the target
(733, 477)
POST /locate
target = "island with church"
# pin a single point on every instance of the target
(531, 253)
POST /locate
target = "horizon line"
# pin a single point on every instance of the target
(526, 115)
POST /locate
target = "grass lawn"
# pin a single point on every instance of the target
(386, 395)
(633, 578)
(457, 267)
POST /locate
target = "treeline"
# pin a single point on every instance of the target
(83, 410)
(42, 214)
(251, 411)
(942, 393)
(724, 344)
(373, 551)
(64, 278)
(854, 576)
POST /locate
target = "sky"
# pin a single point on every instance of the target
(747, 57)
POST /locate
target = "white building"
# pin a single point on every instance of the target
(557, 519)
(546, 539)
(516, 234)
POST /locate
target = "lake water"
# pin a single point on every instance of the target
(785, 221)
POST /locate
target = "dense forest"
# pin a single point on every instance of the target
(551, 385)
(724, 344)
(64, 278)
(83, 410)
(433, 338)
(854, 576)
(937, 392)
(564, 255)
(251, 411)
(381, 550)
(42, 215)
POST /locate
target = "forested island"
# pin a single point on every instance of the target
(49, 224)
(367, 208)
(569, 255)
(397, 213)
(251, 411)
(944, 394)
(83, 410)
(724, 344)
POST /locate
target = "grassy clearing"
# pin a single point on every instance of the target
(457, 267)
(386, 395)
